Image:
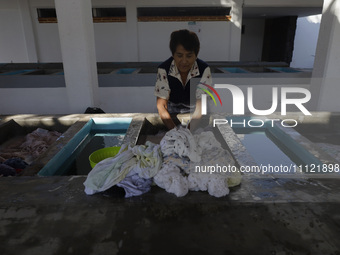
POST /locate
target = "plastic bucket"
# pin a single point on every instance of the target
(102, 154)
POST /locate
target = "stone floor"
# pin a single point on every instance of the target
(264, 215)
(53, 215)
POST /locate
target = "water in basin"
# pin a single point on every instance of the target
(260, 144)
(94, 141)
(98, 133)
(271, 145)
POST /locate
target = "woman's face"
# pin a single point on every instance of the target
(184, 59)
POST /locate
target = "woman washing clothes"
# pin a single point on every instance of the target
(173, 88)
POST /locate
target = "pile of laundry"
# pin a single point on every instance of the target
(31, 146)
(170, 165)
(12, 167)
(132, 169)
(19, 152)
(183, 153)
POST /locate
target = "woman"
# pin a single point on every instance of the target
(173, 88)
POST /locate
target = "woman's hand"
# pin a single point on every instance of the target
(162, 107)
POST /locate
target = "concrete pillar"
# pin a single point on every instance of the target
(27, 25)
(325, 85)
(76, 34)
(132, 35)
(235, 31)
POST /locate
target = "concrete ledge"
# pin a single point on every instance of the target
(53, 215)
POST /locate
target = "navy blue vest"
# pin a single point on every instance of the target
(178, 93)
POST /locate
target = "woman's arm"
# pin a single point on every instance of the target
(162, 107)
(196, 117)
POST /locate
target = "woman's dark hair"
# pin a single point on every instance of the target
(187, 39)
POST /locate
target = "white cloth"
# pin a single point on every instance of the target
(134, 185)
(149, 159)
(142, 160)
(178, 173)
(172, 180)
(181, 142)
(109, 172)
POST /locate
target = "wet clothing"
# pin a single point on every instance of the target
(185, 154)
(31, 146)
(181, 98)
(6, 170)
(134, 185)
(16, 163)
(132, 169)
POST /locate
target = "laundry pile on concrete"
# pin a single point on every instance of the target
(132, 169)
(31, 147)
(25, 150)
(186, 160)
(12, 167)
(171, 165)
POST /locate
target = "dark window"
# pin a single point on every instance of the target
(109, 14)
(183, 13)
(49, 15)
(46, 13)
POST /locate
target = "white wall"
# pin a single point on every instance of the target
(55, 100)
(325, 83)
(12, 40)
(154, 39)
(110, 41)
(128, 41)
(306, 37)
(48, 42)
(46, 34)
(282, 3)
(252, 39)
(127, 99)
(214, 39)
(134, 99)
(34, 101)
(118, 45)
(121, 41)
